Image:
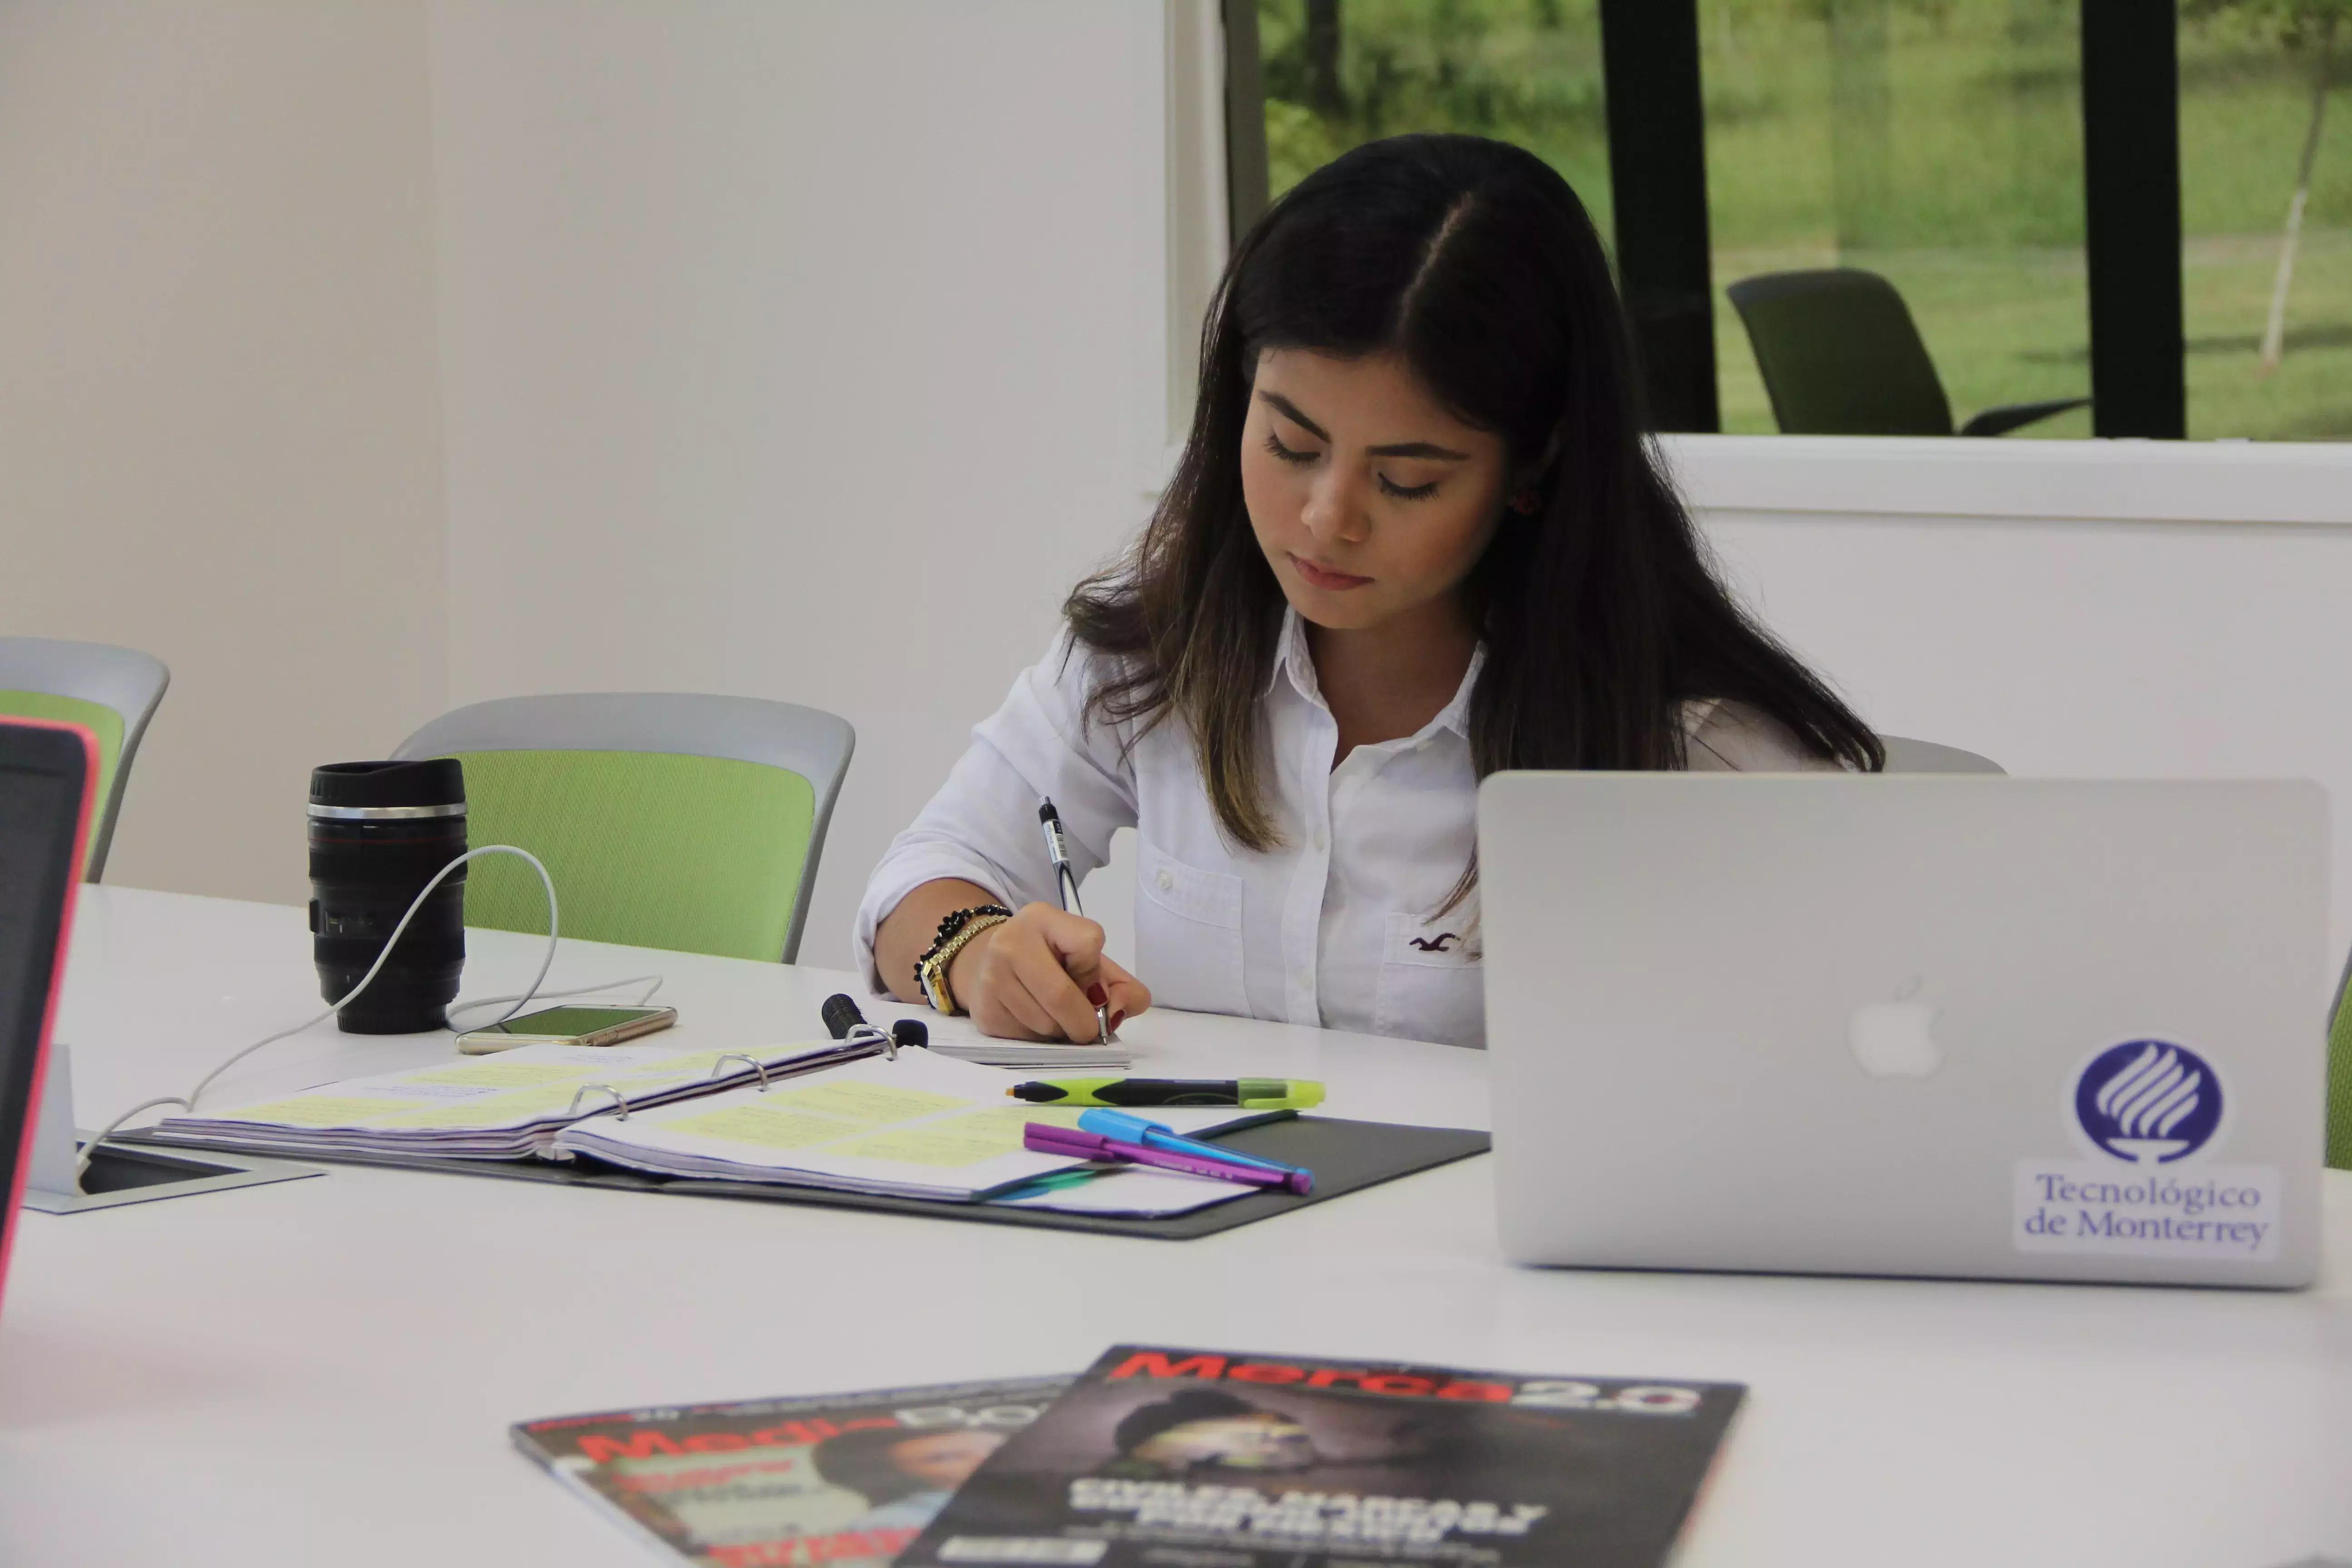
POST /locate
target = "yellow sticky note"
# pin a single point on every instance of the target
(867, 1103)
(1014, 1118)
(502, 1075)
(925, 1146)
(471, 1114)
(955, 1141)
(687, 1064)
(768, 1125)
(498, 1109)
(320, 1110)
(549, 1097)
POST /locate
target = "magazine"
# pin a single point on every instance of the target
(844, 1479)
(1160, 1456)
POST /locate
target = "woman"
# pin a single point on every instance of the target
(905, 1478)
(1416, 537)
(1198, 1429)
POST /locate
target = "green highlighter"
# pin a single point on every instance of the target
(1249, 1093)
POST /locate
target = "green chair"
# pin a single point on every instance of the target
(2340, 1076)
(670, 820)
(1840, 356)
(109, 691)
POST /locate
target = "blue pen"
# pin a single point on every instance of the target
(1130, 1128)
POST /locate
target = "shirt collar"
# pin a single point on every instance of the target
(1455, 715)
(1293, 659)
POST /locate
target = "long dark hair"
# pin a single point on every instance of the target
(1601, 611)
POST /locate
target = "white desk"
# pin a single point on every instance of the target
(322, 1371)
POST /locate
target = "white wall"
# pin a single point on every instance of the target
(783, 347)
(219, 439)
(794, 350)
(2186, 651)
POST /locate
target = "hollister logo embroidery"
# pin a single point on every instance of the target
(1435, 943)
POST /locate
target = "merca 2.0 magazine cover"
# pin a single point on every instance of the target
(844, 1479)
(1190, 1458)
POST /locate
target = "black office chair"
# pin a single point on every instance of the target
(1840, 356)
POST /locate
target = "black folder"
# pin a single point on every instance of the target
(1346, 1156)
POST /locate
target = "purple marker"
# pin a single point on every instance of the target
(1042, 1138)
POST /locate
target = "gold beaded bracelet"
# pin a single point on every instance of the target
(931, 969)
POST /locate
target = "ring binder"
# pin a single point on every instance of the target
(748, 1060)
(513, 1119)
(845, 1023)
(876, 1039)
(588, 1088)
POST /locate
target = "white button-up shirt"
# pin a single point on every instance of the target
(1341, 925)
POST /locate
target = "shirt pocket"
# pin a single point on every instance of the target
(1433, 983)
(1188, 933)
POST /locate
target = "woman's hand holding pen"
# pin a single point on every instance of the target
(1040, 976)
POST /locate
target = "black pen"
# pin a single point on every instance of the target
(1065, 888)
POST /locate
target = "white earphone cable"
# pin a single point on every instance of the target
(520, 1001)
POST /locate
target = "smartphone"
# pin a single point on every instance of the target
(567, 1026)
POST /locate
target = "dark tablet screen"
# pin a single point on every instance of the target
(43, 775)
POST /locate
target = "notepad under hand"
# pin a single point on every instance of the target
(923, 1126)
(1048, 1054)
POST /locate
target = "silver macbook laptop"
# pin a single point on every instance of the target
(2009, 1029)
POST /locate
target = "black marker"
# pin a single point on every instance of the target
(1251, 1094)
(844, 1020)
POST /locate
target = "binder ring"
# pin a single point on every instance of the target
(586, 1089)
(749, 1060)
(882, 1039)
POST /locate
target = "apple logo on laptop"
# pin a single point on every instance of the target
(1893, 1039)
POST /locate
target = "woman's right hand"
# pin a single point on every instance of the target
(1040, 976)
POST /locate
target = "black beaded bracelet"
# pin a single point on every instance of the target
(953, 922)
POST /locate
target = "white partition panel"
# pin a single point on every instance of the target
(2136, 644)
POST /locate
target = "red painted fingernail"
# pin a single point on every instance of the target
(1097, 995)
(1115, 1020)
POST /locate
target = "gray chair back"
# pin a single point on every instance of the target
(1907, 756)
(130, 683)
(806, 741)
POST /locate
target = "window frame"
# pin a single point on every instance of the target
(1657, 152)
